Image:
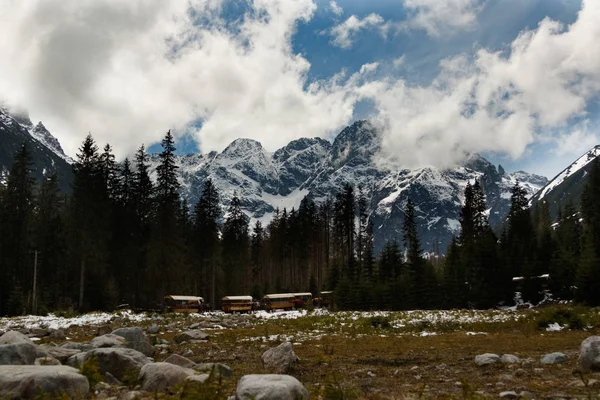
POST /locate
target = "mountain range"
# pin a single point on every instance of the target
(266, 181)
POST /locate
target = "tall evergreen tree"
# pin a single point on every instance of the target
(16, 261)
(207, 214)
(235, 249)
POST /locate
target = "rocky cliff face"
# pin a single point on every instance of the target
(47, 154)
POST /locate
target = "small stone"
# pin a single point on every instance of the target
(509, 395)
(553, 358)
(58, 334)
(111, 380)
(415, 368)
(486, 359)
(153, 329)
(176, 359)
(46, 361)
(510, 359)
(520, 372)
(526, 395)
(191, 335)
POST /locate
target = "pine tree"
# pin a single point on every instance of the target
(17, 214)
(564, 264)
(88, 223)
(588, 273)
(109, 171)
(235, 248)
(417, 290)
(207, 214)
(51, 246)
(454, 278)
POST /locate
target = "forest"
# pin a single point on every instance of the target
(120, 237)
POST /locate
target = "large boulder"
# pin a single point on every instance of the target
(487, 359)
(58, 334)
(132, 334)
(270, 387)
(589, 354)
(181, 361)
(27, 382)
(119, 362)
(191, 335)
(108, 340)
(14, 337)
(162, 375)
(17, 354)
(553, 358)
(136, 339)
(280, 358)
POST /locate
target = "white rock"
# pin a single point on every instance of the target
(270, 387)
(280, 358)
(589, 354)
(486, 359)
(510, 359)
(161, 375)
(553, 358)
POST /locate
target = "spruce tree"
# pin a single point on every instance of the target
(414, 260)
(16, 260)
(235, 249)
(207, 213)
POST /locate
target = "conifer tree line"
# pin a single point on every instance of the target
(121, 237)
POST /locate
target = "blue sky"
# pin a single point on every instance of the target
(515, 80)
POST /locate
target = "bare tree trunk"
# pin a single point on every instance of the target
(81, 282)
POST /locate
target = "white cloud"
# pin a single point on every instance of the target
(335, 8)
(577, 141)
(108, 67)
(441, 16)
(398, 62)
(493, 103)
(368, 68)
(343, 34)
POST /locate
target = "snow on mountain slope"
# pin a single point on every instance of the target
(580, 163)
(267, 181)
(47, 154)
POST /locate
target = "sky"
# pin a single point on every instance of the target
(517, 81)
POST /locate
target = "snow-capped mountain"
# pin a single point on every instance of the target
(567, 185)
(266, 181)
(47, 154)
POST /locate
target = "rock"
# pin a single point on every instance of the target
(111, 380)
(217, 369)
(133, 334)
(108, 340)
(270, 387)
(553, 358)
(202, 378)
(194, 326)
(134, 395)
(153, 329)
(181, 361)
(520, 372)
(81, 346)
(509, 395)
(46, 361)
(136, 339)
(17, 354)
(486, 359)
(29, 381)
(143, 347)
(510, 359)
(39, 332)
(60, 353)
(58, 334)
(119, 362)
(14, 337)
(589, 354)
(161, 375)
(188, 353)
(104, 330)
(525, 395)
(190, 335)
(280, 358)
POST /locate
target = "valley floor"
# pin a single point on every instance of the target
(374, 355)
